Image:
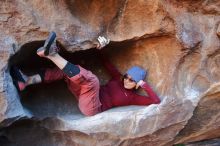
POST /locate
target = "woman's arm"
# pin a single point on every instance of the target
(152, 97)
(100, 43)
(111, 69)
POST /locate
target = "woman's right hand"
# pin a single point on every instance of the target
(102, 42)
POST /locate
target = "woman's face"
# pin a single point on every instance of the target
(129, 83)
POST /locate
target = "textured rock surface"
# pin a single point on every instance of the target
(205, 122)
(213, 142)
(178, 42)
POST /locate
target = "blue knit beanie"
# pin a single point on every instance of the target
(137, 73)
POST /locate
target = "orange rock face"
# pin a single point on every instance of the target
(176, 41)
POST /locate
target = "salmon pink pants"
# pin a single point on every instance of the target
(85, 86)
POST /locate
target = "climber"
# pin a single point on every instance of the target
(92, 98)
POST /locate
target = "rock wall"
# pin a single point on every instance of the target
(176, 41)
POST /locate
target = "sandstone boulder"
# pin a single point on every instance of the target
(175, 41)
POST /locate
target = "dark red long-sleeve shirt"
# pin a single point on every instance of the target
(114, 94)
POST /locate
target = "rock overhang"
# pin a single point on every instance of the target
(181, 71)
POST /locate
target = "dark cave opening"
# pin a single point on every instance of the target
(53, 99)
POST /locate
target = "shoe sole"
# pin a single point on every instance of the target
(48, 43)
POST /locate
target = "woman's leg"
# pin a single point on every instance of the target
(68, 68)
(23, 80)
(81, 82)
(47, 75)
(34, 79)
(58, 60)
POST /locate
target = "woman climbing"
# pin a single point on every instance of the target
(93, 98)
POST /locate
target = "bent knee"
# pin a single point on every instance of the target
(89, 113)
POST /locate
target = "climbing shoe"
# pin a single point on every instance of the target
(49, 47)
(19, 79)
